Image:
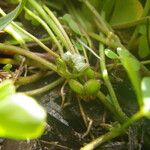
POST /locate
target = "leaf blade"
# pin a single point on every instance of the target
(5, 20)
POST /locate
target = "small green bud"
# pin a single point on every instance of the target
(76, 86)
(89, 73)
(91, 87)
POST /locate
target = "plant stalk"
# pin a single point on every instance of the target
(115, 132)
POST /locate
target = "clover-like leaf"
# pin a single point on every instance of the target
(110, 54)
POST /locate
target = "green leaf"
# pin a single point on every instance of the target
(145, 88)
(126, 11)
(6, 89)
(72, 24)
(21, 117)
(110, 54)
(143, 50)
(4, 21)
(108, 6)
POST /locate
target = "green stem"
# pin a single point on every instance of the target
(11, 30)
(114, 100)
(135, 33)
(115, 132)
(102, 40)
(13, 49)
(36, 40)
(52, 16)
(50, 22)
(46, 28)
(145, 62)
(82, 24)
(115, 45)
(7, 61)
(101, 21)
(29, 79)
(109, 106)
(132, 23)
(45, 88)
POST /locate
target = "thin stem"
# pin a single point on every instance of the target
(13, 49)
(88, 48)
(52, 16)
(115, 132)
(45, 88)
(108, 105)
(36, 40)
(7, 61)
(11, 30)
(46, 28)
(104, 27)
(102, 40)
(50, 22)
(145, 62)
(29, 79)
(81, 21)
(132, 23)
(109, 85)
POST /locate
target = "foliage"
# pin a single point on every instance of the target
(21, 116)
(4, 21)
(89, 40)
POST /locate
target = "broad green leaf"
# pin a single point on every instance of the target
(126, 11)
(110, 54)
(145, 88)
(143, 50)
(21, 117)
(6, 89)
(5, 20)
(108, 6)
